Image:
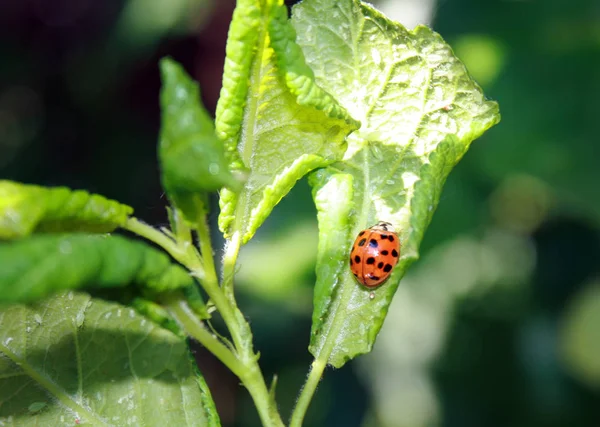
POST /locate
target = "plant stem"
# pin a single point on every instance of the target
(267, 409)
(184, 315)
(232, 249)
(144, 230)
(237, 325)
(207, 277)
(314, 377)
(206, 250)
(246, 362)
(251, 375)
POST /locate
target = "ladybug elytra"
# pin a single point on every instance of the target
(374, 254)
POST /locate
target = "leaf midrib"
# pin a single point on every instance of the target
(347, 282)
(337, 320)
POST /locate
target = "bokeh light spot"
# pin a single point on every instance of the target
(580, 337)
(483, 55)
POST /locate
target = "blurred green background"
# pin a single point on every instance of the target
(498, 323)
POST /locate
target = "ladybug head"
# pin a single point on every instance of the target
(384, 226)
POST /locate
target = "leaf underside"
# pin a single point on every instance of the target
(75, 360)
(419, 110)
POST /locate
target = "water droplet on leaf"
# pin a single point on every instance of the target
(65, 247)
(36, 407)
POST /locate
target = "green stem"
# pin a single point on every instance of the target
(319, 364)
(206, 250)
(183, 252)
(232, 249)
(267, 409)
(306, 395)
(183, 233)
(246, 362)
(194, 327)
(207, 277)
(250, 375)
(144, 230)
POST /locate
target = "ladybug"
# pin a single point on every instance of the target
(374, 254)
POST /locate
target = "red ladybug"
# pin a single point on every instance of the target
(374, 254)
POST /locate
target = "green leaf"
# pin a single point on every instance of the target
(196, 302)
(299, 77)
(35, 267)
(75, 360)
(281, 140)
(208, 405)
(419, 110)
(158, 314)
(191, 156)
(241, 40)
(334, 211)
(25, 209)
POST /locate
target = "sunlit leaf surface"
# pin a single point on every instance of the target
(73, 360)
(419, 111)
(25, 209)
(280, 140)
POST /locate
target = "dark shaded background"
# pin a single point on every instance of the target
(498, 324)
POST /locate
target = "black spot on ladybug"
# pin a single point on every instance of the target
(387, 268)
(384, 236)
(361, 233)
(362, 242)
(357, 259)
(370, 260)
(372, 277)
(350, 261)
(394, 253)
(390, 238)
(373, 243)
(385, 252)
(380, 265)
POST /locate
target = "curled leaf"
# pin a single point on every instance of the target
(240, 52)
(26, 209)
(284, 137)
(33, 268)
(299, 77)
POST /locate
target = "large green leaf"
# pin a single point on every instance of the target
(74, 360)
(191, 156)
(25, 209)
(39, 265)
(419, 110)
(279, 140)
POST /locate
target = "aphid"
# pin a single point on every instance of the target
(374, 254)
